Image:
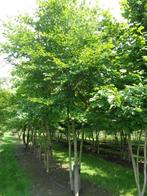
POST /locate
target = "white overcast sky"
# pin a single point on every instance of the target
(10, 8)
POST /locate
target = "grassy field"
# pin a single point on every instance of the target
(13, 181)
(110, 176)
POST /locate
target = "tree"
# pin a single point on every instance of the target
(135, 11)
(77, 67)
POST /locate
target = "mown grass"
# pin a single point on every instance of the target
(115, 178)
(13, 181)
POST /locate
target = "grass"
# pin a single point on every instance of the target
(109, 176)
(13, 181)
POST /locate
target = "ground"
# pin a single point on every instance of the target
(55, 183)
(22, 174)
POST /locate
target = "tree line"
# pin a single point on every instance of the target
(77, 69)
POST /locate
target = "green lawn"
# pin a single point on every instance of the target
(13, 181)
(110, 176)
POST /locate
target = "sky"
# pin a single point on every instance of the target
(10, 8)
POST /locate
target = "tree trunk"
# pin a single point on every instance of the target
(47, 160)
(76, 179)
(97, 143)
(48, 147)
(34, 142)
(134, 164)
(81, 147)
(19, 134)
(24, 135)
(69, 155)
(70, 165)
(28, 138)
(145, 165)
(76, 164)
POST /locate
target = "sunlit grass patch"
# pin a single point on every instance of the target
(110, 176)
(13, 181)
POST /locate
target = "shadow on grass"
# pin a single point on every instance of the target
(13, 182)
(118, 179)
(113, 177)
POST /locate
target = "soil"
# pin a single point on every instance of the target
(54, 183)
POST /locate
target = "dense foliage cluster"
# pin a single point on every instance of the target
(77, 68)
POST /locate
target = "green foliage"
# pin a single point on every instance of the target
(5, 97)
(76, 63)
(72, 57)
(135, 11)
